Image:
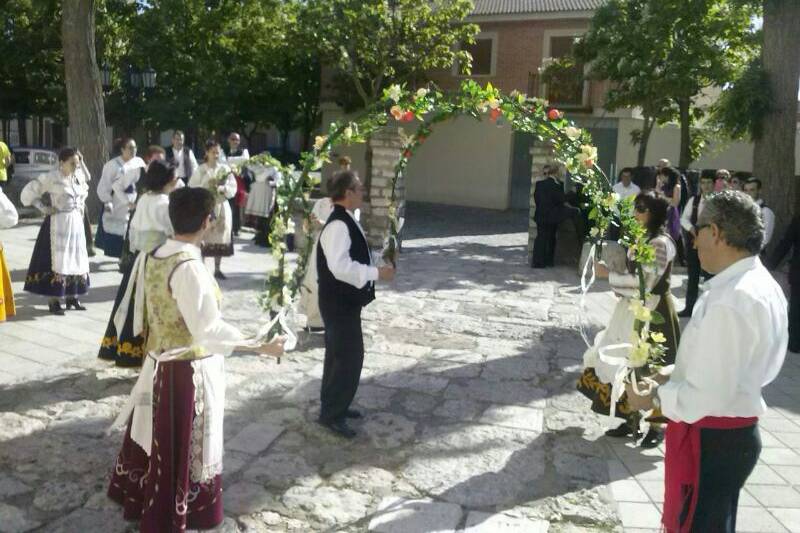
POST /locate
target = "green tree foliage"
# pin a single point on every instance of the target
(660, 55)
(372, 43)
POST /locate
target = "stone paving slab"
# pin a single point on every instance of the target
(472, 419)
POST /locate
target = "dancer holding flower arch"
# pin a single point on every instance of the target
(595, 382)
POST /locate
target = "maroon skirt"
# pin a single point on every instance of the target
(158, 490)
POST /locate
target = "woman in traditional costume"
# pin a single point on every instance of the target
(261, 201)
(117, 191)
(168, 474)
(217, 178)
(309, 291)
(8, 219)
(59, 265)
(149, 228)
(595, 382)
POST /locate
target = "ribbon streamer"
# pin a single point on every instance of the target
(585, 286)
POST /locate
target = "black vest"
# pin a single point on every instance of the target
(187, 163)
(331, 290)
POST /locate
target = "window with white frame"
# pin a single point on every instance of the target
(566, 86)
(484, 55)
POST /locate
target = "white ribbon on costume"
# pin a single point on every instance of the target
(618, 383)
(262, 335)
(585, 286)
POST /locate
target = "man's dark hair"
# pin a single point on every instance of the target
(626, 170)
(756, 181)
(188, 208)
(66, 153)
(158, 174)
(177, 132)
(339, 183)
(152, 150)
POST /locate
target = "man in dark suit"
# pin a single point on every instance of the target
(346, 276)
(694, 207)
(551, 211)
(791, 240)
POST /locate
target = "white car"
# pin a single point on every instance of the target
(28, 164)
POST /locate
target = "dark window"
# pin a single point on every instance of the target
(481, 53)
(565, 88)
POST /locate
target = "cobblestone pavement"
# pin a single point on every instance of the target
(472, 420)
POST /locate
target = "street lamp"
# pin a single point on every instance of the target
(105, 77)
(149, 78)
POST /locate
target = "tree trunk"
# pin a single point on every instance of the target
(685, 158)
(647, 129)
(22, 129)
(773, 153)
(84, 92)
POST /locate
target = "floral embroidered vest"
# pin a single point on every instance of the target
(166, 329)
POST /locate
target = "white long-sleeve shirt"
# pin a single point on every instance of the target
(335, 242)
(195, 292)
(686, 216)
(150, 224)
(205, 175)
(8, 213)
(733, 346)
(769, 222)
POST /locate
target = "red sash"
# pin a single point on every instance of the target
(682, 467)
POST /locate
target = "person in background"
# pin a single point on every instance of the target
(236, 156)
(345, 162)
(669, 183)
(6, 157)
(694, 208)
(753, 188)
(732, 348)
(625, 188)
(8, 219)
(117, 190)
(309, 291)
(791, 241)
(261, 201)
(722, 180)
(181, 156)
(217, 178)
(551, 211)
(59, 264)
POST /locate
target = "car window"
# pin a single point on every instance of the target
(21, 158)
(43, 158)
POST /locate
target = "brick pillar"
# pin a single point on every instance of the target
(541, 154)
(386, 151)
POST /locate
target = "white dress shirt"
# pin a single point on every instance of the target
(8, 213)
(335, 242)
(733, 346)
(769, 222)
(180, 168)
(686, 216)
(195, 292)
(625, 192)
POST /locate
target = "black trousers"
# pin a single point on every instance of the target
(544, 245)
(344, 358)
(236, 213)
(727, 458)
(794, 317)
(694, 272)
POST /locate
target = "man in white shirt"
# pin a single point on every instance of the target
(753, 187)
(733, 346)
(182, 157)
(624, 187)
(691, 212)
(347, 276)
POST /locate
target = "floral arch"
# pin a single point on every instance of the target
(571, 146)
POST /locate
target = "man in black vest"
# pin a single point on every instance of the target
(182, 157)
(689, 223)
(791, 241)
(551, 211)
(346, 284)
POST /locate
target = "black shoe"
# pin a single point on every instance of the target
(353, 413)
(686, 313)
(653, 438)
(55, 308)
(623, 430)
(219, 275)
(339, 427)
(73, 303)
